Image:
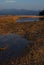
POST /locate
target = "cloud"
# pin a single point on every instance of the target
(7, 1)
(10, 1)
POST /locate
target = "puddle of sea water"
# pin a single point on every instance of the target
(14, 44)
(27, 19)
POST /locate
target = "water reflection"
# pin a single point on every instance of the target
(13, 44)
(27, 19)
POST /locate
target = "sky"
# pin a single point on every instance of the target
(22, 4)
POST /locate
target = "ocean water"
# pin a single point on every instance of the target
(27, 19)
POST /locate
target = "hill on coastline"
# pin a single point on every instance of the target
(18, 12)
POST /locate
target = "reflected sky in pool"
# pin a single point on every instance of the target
(27, 19)
(14, 45)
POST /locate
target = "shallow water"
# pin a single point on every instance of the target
(27, 19)
(14, 45)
